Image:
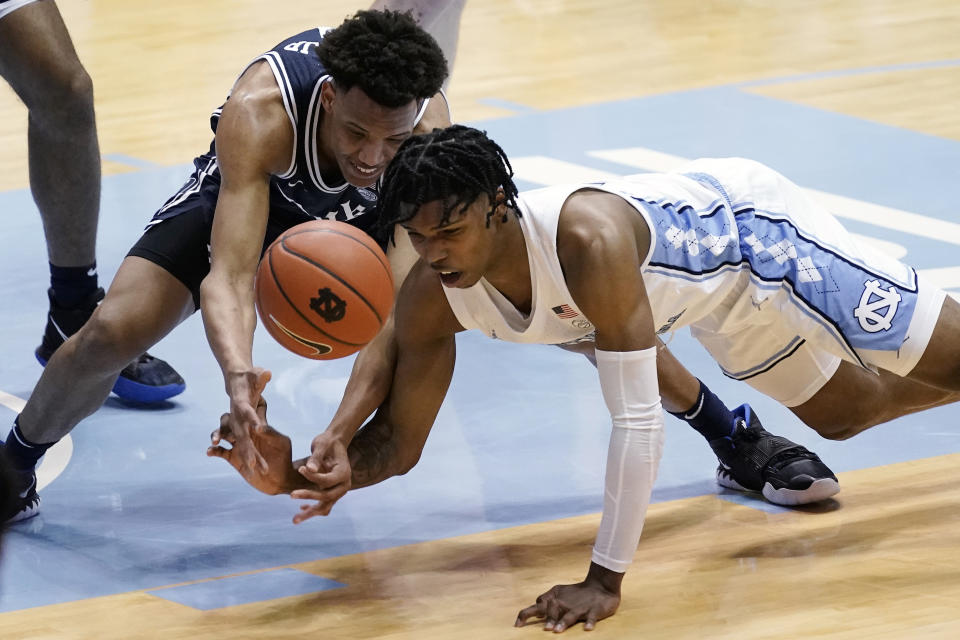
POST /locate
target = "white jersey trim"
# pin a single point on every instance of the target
(193, 186)
(311, 153)
(286, 91)
(13, 5)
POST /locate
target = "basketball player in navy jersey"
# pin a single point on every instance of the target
(37, 58)
(305, 133)
(880, 342)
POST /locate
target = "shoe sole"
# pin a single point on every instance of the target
(818, 490)
(26, 514)
(130, 390)
(136, 392)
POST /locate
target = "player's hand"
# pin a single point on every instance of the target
(328, 468)
(245, 390)
(566, 604)
(274, 449)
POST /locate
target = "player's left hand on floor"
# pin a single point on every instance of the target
(564, 605)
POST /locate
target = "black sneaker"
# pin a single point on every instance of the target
(24, 500)
(753, 459)
(146, 379)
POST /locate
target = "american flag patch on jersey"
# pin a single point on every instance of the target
(564, 311)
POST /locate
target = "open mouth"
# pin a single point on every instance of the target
(449, 278)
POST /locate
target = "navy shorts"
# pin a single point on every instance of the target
(181, 243)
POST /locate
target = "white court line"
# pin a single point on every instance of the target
(57, 457)
(840, 206)
(12, 402)
(549, 171)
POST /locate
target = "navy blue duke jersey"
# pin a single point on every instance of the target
(300, 193)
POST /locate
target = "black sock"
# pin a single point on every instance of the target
(73, 285)
(708, 415)
(22, 454)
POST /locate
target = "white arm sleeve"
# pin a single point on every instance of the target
(629, 384)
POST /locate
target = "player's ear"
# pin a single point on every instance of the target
(500, 205)
(327, 94)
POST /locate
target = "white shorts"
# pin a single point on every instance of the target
(12, 5)
(788, 323)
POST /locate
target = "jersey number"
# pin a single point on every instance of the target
(303, 46)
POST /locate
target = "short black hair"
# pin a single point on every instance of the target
(455, 165)
(387, 55)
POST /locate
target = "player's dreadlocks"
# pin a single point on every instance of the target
(387, 55)
(455, 165)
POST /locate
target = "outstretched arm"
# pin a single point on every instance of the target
(372, 372)
(391, 443)
(327, 467)
(254, 138)
(599, 241)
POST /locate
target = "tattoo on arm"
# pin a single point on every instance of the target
(373, 454)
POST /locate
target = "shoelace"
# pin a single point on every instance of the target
(754, 434)
(790, 455)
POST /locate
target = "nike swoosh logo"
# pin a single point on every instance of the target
(92, 272)
(321, 349)
(59, 330)
(33, 483)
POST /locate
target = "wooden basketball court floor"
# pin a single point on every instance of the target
(141, 536)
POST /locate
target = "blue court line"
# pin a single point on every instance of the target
(753, 501)
(840, 73)
(254, 587)
(130, 160)
(506, 104)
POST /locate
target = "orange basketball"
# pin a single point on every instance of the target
(324, 289)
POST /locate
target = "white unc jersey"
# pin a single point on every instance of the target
(703, 261)
(740, 254)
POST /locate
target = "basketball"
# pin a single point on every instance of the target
(324, 289)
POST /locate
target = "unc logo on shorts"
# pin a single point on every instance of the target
(874, 301)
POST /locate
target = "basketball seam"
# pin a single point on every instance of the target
(280, 288)
(385, 265)
(283, 243)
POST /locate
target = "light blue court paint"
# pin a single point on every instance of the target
(523, 434)
(255, 587)
(751, 501)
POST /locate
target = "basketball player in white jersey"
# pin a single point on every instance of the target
(772, 285)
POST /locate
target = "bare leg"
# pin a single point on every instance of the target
(854, 399)
(143, 304)
(679, 389)
(39, 61)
